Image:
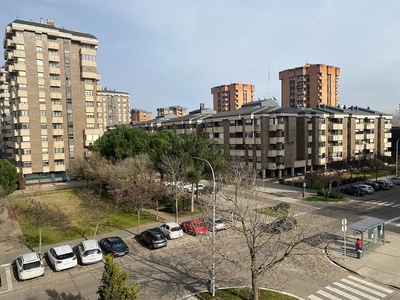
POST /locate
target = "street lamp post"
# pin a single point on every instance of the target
(291, 143)
(397, 154)
(213, 232)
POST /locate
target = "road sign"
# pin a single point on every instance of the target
(304, 184)
(344, 228)
(344, 221)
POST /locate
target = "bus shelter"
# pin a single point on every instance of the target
(371, 230)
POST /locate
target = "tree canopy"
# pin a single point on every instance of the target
(8, 176)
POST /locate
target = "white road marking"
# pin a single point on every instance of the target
(357, 292)
(396, 205)
(378, 287)
(391, 220)
(312, 297)
(363, 287)
(341, 293)
(327, 295)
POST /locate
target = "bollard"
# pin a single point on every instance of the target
(359, 254)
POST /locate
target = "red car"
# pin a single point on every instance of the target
(194, 227)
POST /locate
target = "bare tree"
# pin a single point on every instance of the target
(42, 214)
(265, 245)
(93, 168)
(97, 210)
(176, 170)
(325, 179)
(130, 183)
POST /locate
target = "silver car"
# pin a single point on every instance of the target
(366, 188)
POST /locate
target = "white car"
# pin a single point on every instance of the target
(90, 252)
(171, 230)
(29, 265)
(62, 257)
(200, 187)
(219, 224)
(366, 188)
(395, 180)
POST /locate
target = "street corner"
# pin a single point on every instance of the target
(5, 278)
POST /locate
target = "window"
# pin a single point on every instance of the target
(57, 125)
(27, 164)
(53, 52)
(54, 77)
(88, 93)
(56, 113)
(90, 125)
(22, 86)
(45, 150)
(45, 163)
(38, 36)
(19, 34)
(22, 73)
(89, 103)
(23, 113)
(42, 100)
(88, 81)
(55, 89)
(39, 49)
(58, 162)
(26, 151)
(41, 87)
(54, 64)
(42, 113)
(44, 138)
(90, 115)
(39, 62)
(43, 125)
(58, 150)
(55, 102)
(40, 75)
(88, 57)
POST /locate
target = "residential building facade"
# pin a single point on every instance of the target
(276, 139)
(232, 96)
(115, 107)
(176, 110)
(47, 102)
(309, 86)
(140, 115)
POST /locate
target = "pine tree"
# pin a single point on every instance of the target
(114, 286)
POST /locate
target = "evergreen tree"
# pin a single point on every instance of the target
(8, 176)
(113, 283)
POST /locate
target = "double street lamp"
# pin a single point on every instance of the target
(212, 282)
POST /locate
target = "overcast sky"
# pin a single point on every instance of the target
(166, 53)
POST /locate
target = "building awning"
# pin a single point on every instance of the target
(367, 224)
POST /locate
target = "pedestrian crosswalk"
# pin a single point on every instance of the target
(353, 288)
(387, 204)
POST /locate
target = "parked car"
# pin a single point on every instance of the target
(218, 225)
(389, 182)
(171, 230)
(280, 225)
(90, 252)
(395, 180)
(382, 185)
(366, 188)
(194, 227)
(114, 246)
(374, 185)
(199, 188)
(352, 190)
(154, 238)
(62, 258)
(29, 265)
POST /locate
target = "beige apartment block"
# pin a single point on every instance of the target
(232, 96)
(140, 115)
(278, 140)
(51, 77)
(176, 110)
(309, 86)
(113, 108)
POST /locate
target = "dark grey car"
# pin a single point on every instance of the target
(154, 238)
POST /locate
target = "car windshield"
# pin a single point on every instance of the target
(32, 265)
(175, 229)
(65, 256)
(159, 237)
(92, 251)
(117, 245)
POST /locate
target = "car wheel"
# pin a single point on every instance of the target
(168, 237)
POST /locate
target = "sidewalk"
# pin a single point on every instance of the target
(380, 264)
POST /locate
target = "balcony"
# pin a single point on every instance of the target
(276, 140)
(55, 58)
(335, 137)
(335, 149)
(321, 126)
(90, 75)
(53, 45)
(59, 168)
(236, 141)
(55, 95)
(88, 63)
(369, 136)
(238, 153)
(58, 131)
(321, 161)
(335, 126)
(271, 166)
(54, 82)
(276, 127)
(322, 138)
(22, 93)
(19, 67)
(53, 70)
(17, 40)
(59, 155)
(388, 125)
(369, 126)
(87, 51)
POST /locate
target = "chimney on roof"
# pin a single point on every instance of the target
(201, 106)
(50, 22)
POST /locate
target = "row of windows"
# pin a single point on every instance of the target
(88, 57)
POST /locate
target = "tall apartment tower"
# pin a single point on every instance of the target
(115, 109)
(309, 86)
(48, 91)
(231, 97)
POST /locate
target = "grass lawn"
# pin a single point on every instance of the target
(322, 199)
(243, 294)
(77, 226)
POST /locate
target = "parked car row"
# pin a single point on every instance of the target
(367, 187)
